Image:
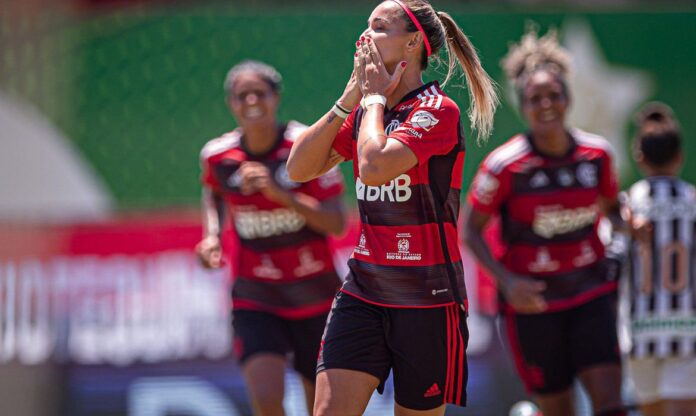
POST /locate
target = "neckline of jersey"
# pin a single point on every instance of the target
(413, 93)
(573, 146)
(279, 139)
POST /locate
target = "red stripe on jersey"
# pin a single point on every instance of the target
(406, 245)
(553, 259)
(293, 263)
(462, 347)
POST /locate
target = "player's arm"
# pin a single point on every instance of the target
(380, 159)
(523, 293)
(326, 217)
(209, 249)
(312, 154)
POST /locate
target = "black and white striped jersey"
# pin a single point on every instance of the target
(659, 292)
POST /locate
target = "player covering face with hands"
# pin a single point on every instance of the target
(402, 307)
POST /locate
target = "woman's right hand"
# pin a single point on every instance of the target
(209, 252)
(523, 293)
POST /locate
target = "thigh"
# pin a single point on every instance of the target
(540, 347)
(257, 332)
(354, 339)
(593, 335)
(428, 356)
(305, 337)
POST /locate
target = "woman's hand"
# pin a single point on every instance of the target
(256, 177)
(209, 252)
(372, 74)
(523, 293)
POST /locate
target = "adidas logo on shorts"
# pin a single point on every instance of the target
(434, 390)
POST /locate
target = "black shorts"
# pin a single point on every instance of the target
(550, 349)
(425, 347)
(261, 332)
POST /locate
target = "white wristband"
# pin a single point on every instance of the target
(340, 111)
(374, 99)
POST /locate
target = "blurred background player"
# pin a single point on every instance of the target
(284, 279)
(550, 186)
(659, 293)
(402, 306)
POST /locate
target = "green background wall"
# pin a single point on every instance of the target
(141, 91)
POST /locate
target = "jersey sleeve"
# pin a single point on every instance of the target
(608, 181)
(207, 178)
(327, 186)
(343, 142)
(430, 131)
(489, 189)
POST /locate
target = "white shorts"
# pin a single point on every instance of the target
(662, 379)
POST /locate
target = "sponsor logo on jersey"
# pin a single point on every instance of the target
(553, 220)
(403, 247)
(543, 262)
(267, 269)
(424, 120)
(234, 180)
(587, 256)
(361, 248)
(564, 177)
(308, 264)
(485, 187)
(539, 180)
(251, 223)
(396, 190)
(393, 125)
(587, 175)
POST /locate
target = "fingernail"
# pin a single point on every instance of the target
(356, 54)
(362, 37)
(369, 40)
(357, 43)
(403, 64)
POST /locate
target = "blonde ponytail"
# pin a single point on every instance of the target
(483, 95)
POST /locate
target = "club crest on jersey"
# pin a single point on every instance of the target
(393, 125)
(424, 120)
(282, 178)
(587, 175)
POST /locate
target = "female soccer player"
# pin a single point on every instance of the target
(284, 277)
(402, 307)
(659, 293)
(549, 186)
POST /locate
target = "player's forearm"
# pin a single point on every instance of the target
(478, 247)
(324, 217)
(311, 152)
(371, 145)
(213, 211)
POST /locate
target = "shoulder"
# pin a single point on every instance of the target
(592, 141)
(221, 144)
(293, 130)
(639, 190)
(508, 153)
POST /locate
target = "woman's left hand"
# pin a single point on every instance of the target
(373, 77)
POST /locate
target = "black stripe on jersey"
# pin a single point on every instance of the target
(439, 176)
(403, 285)
(674, 348)
(411, 212)
(274, 242)
(674, 304)
(515, 232)
(655, 272)
(287, 294)
(548, 180)
(566, 285)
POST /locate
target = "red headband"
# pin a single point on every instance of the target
(417, 23)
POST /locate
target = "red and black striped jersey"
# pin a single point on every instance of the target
(407, 253)
(283, 267)
(659, 288)
(550, 212)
